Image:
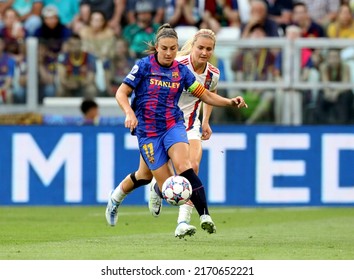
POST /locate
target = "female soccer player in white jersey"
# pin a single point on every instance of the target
(195, 54)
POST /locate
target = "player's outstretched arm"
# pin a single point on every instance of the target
(217, 100)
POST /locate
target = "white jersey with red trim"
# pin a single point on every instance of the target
(189, 104)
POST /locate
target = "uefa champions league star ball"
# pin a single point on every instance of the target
(176, 190)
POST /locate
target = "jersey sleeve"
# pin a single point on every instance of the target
(135, 75)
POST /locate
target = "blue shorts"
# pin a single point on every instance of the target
(154, 149)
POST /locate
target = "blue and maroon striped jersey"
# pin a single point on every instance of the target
(157, 90)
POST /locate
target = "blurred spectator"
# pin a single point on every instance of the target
(302, 18)
(141, 32)
(113, 11)
(244, 10)
(98, 39)
(293, 32)
(13, 34)
(67, 9)
(122, 63)
(181, 12)
(76, 71)
(288, 102)
(29, 12)
(255, 64)
(4, 4)
(322, 11)
(47, 72)
(157, 8)
(309, 29)
(343, 26)
(334, 106)
(7, 71)
(219, 13)
(90, 111)
(52, 32)
(19, 83)
(259, 16)
(280, 11)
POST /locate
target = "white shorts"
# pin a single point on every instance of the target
(194, 133)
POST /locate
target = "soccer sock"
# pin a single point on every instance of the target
(118, 194)
(157, 190)
(184, 214)
(198, 195)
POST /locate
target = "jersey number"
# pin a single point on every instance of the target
(149, 151)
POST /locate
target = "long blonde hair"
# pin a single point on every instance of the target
(187, 47)
(164, 31)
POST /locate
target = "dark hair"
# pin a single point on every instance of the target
(88, 104)
(257, 26)
(164, 31)
(74, 36)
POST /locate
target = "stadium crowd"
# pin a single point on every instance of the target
(87, 47)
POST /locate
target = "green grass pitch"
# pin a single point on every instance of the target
(81, 233)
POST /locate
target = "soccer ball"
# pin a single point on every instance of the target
(176, 190)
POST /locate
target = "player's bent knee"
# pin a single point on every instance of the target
(139, 182)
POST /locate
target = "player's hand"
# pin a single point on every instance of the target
(206, 131)
(131, 121)
(239, 102)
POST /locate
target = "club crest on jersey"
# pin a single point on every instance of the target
(134, 69)
(208, 81)
(175, 75)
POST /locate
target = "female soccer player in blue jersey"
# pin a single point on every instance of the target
(195, 54)
(158, 81)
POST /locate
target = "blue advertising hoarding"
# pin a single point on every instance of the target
(241, 165)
